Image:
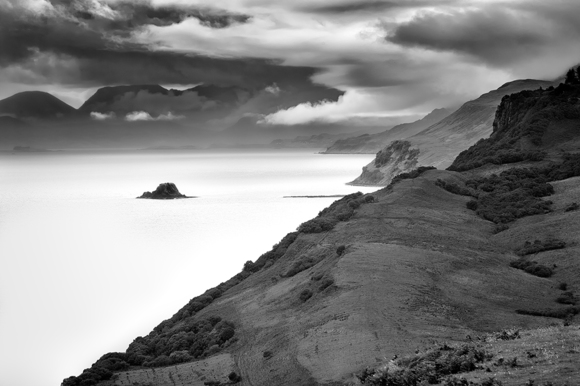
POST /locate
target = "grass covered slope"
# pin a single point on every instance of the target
(436, 259)
(411, 265)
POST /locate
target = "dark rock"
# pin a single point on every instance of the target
(166, 191)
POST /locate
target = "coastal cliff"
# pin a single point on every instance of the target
(439, 144)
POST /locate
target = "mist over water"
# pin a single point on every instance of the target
(85, 267)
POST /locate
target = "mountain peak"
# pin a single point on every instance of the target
(35, 104)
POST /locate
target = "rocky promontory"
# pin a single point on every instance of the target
(166, 191)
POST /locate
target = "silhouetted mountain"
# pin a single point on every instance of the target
(105, 96)
(373, 143)
(35, 105)
(437, 256)
(440, 143)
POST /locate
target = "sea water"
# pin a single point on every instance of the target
(85, 267)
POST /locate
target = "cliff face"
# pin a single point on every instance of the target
(383, 274)
(439, 144)
(527, 125)
(398, 157)
(370, 144)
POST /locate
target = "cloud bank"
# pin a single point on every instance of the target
(398, 52)
(145, 116)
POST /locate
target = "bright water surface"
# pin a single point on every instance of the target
(85, 267)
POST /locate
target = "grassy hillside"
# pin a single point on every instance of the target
(425, 268)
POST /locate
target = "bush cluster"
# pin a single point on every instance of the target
(518, 192)
(532, 267)
(567, 298)
(453, 188)
(194, 340)
(560, 313)
(305, 295)
(340, 210)
(512, 194)
(430, 366)
(540, 246)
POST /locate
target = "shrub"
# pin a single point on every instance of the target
(325, 284)
(471, 205)
(340, 250)
(369, 199)
(317, 225)
(428, 367)
(180, 356)
(301, 265)
(305, 295)
(267, 354)
(532, 267)
(234, 377)
(563, 286)
(500, 228)
(573, 206)
(567, 298)
(562, 313)
(453, 188)
(540, 246)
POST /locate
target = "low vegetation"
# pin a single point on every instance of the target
(427, 367)
(340, 210)
(532, 267)
(540, 246)
(560, 313)
(453, 188)
(194, 340)
(518, 192)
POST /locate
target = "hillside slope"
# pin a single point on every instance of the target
(388, 273)
(372, 143)
(439, 144)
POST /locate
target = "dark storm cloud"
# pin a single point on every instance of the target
(128, 15)
(499, 34)
(372, 6)
(75, 42)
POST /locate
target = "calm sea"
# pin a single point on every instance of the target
(85, 267)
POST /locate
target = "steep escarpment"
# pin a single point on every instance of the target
(410, 265)
(372, 143)
(527, 125)
(439, 144)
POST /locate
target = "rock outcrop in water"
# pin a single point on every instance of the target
(166, 191)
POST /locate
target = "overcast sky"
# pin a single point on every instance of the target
(392, 57)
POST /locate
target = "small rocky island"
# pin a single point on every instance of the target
(166, 191)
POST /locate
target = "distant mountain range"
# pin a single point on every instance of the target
(372, 143)
(150, 115)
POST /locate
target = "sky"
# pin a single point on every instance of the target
(391, 57)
